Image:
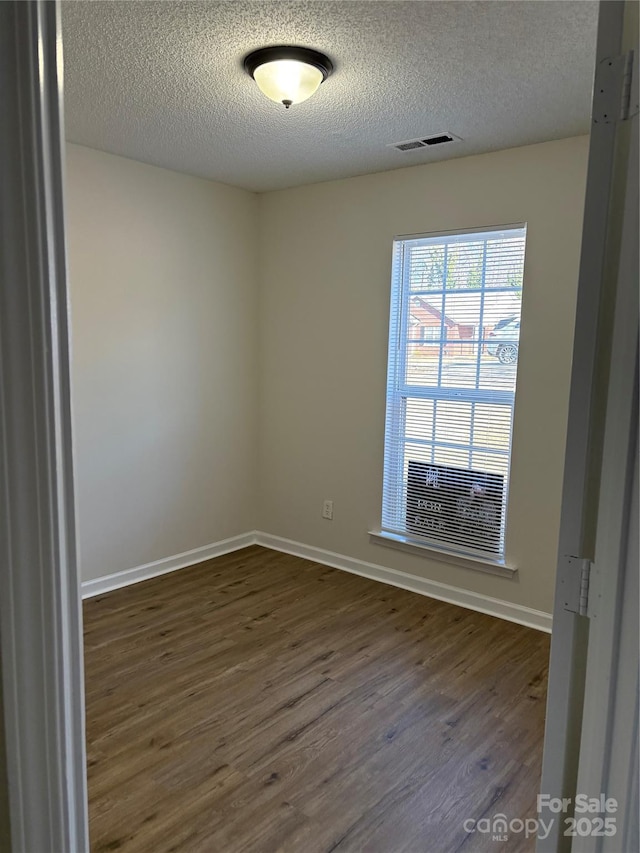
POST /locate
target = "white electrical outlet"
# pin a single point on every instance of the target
(327, 510)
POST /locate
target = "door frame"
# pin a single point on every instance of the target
(595, 495)
(610, 722)
(40, 615)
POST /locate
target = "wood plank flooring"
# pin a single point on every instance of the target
(260, 702)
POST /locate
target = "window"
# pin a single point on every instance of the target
(430, 333)
(450, 404)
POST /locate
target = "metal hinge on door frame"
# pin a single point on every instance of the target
(574, 575)
(615, 96)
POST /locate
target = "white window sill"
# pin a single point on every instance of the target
(466, 561)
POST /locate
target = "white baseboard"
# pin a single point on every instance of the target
(169, 564)
(432, 589)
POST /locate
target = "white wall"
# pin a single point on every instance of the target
(325, 257)
(163, 299)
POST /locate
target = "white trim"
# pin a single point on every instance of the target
(465, 561)
(403, 580)
(117, 580)
(432, 589)
(40, 615)
(474, 229)
(612, 661)
(565, 694)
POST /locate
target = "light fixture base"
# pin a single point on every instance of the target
(287, 51)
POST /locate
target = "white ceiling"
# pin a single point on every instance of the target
(162, 82)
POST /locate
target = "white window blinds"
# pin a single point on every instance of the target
(453, 354)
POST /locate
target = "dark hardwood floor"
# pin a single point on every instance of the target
(260, 702)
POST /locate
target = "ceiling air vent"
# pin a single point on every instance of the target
(425, 142)
(409, 146)
(439, 139)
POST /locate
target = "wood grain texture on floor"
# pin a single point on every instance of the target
(260, 702)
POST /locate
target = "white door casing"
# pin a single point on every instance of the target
(588, 482)
(40, 617)
(610, 721)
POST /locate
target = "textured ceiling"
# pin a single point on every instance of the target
(162, 82)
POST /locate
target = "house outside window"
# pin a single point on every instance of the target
(453, 354)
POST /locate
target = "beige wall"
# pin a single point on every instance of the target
(196, 419)
(163, 284)
(324, 311)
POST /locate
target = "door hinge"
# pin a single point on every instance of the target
(615, 96)
(574, 578)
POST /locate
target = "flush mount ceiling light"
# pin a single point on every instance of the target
(288, 74)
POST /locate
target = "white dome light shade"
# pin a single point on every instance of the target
(287, 81)
(287, 74)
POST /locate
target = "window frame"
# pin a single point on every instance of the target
(398, 391)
